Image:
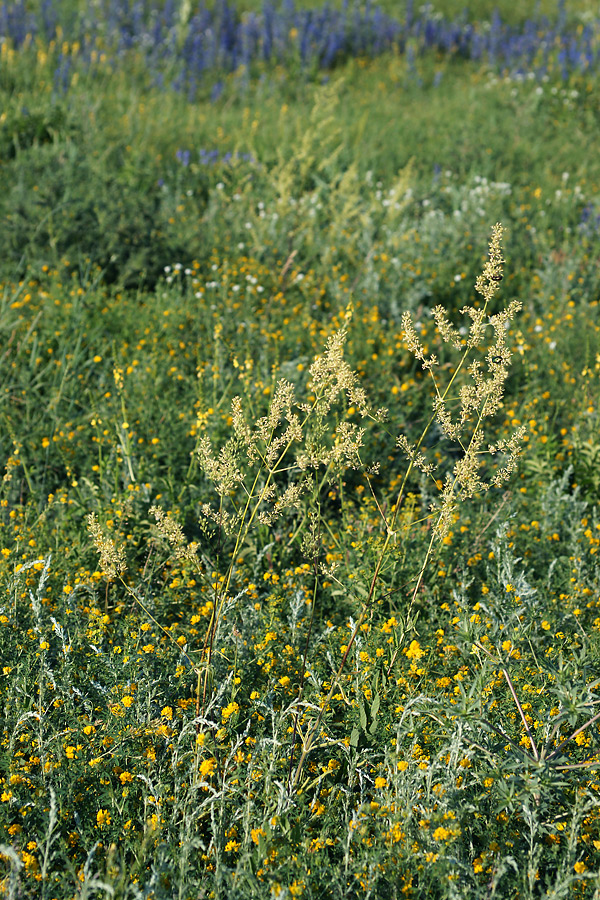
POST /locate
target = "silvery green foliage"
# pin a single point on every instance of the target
(562, 504)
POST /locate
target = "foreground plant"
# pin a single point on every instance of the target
(271, 474)
(460, 414)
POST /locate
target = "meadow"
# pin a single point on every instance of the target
(300, 431)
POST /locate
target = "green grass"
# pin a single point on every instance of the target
(333, 695)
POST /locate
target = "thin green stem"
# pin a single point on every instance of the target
(303, 673)
(574, 735)
(157, 623)
(246, 521)
(521, 713)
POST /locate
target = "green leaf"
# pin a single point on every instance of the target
(363, 717)
(375, 705)
(374, 710)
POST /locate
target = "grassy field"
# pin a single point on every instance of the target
(300, 408)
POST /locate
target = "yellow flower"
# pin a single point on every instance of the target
(380, 782)
(103, 818)
(207, 766)
(414, 651)
(29, 861)
(395, 833)
(580, 867)
(389, 625)
(229, 710)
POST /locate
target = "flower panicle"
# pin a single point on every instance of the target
(478, 398)
(171, 532)
(112, 558)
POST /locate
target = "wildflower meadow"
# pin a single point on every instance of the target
(300, 433)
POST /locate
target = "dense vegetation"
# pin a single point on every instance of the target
(299, 523)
